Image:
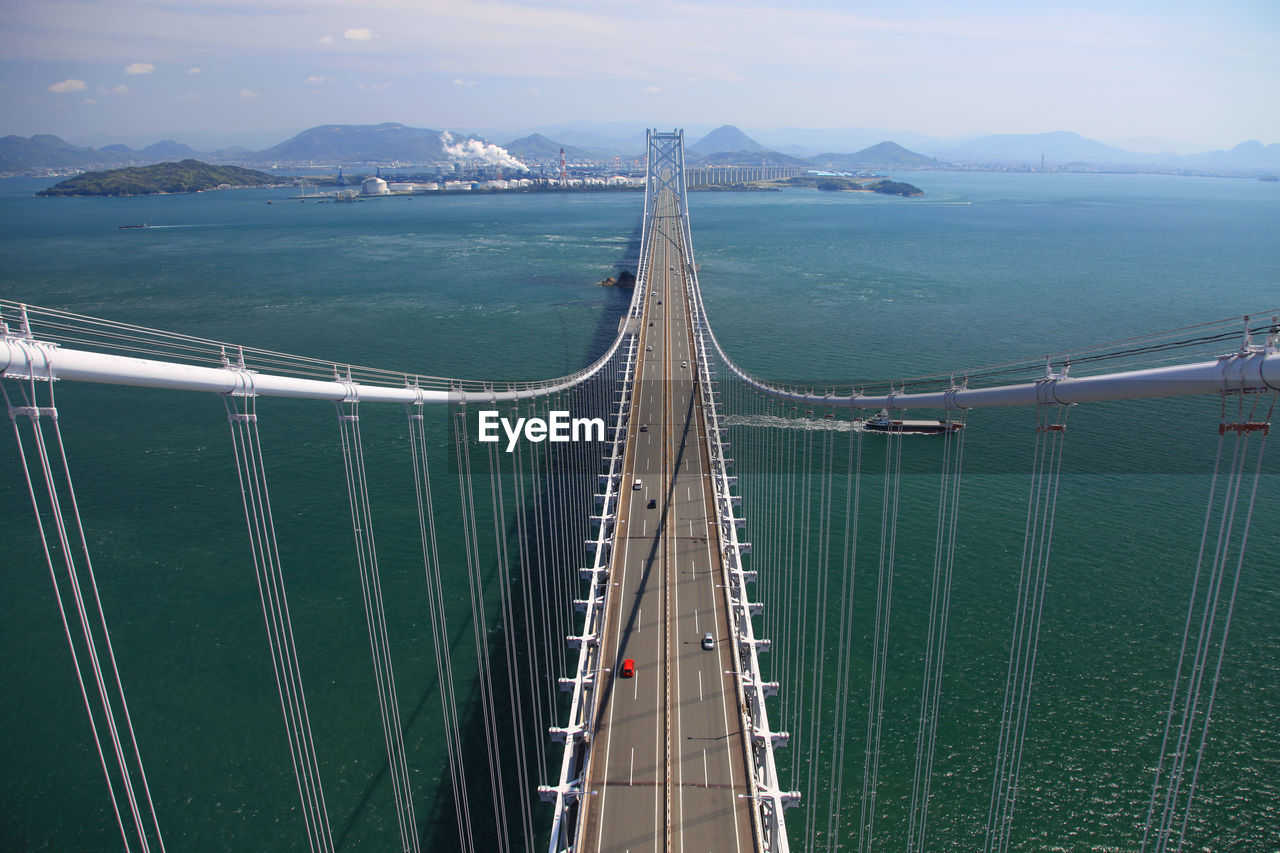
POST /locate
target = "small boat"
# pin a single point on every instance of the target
(143, 225)
(883, 423)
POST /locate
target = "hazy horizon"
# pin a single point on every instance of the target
(1132, 74)
(775, 137)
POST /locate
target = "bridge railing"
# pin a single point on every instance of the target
(567, 793)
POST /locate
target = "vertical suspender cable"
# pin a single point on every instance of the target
(550, 642)
(848, 575)
(1209, 604)
(542, 706)
(817, 670)
(439, 627)
(66, 524)
(514, 697)
(480, 626)
(376, 620)
(805, 568)
(1037, 543)
(790, 698)
(264, 548)
(880, 643)
(936, 638)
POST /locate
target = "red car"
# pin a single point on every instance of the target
(628, 668)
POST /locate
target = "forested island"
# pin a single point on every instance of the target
(837, 184)
(187, 176)
(825, 183)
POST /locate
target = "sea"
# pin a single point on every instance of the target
(800, 286)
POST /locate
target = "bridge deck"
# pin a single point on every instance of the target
(667, 762)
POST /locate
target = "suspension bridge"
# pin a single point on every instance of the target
(605, 592)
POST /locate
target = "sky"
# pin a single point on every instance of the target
(1202, 75)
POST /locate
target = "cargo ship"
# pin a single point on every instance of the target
(883, 423)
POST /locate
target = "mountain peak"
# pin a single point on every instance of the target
(726, 137)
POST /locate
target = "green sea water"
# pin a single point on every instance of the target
(800, 286)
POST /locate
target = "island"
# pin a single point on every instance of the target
(831, 183)
(824, 182)
(187, 176)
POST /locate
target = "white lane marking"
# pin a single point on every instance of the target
(706, 777)
(639, 619)
(631, 774)
(700, 697)
(721, 656)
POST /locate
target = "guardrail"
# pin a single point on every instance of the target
(576, 734)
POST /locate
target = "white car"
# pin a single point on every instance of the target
(638, 485)
(708, 642)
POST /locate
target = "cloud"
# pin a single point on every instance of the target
(90, 101)
(461, 82)
(194, 70)
(71, 85)
(122, 89)
(358, 34)
(374, 87)
(315, 80)
(325, 39)
(652, 89)
(247, 93)
(139, 68)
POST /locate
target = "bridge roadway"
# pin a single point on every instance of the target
(667, 762)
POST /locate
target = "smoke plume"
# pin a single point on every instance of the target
(474, 149)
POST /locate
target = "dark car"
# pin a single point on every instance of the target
(653, 503)
(628, 668)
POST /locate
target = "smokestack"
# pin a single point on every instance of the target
(563, 178)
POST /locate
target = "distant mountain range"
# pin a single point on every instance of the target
(358, 143)
(391, 143)
(536, 148)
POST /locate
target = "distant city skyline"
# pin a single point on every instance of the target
(1197, 76)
